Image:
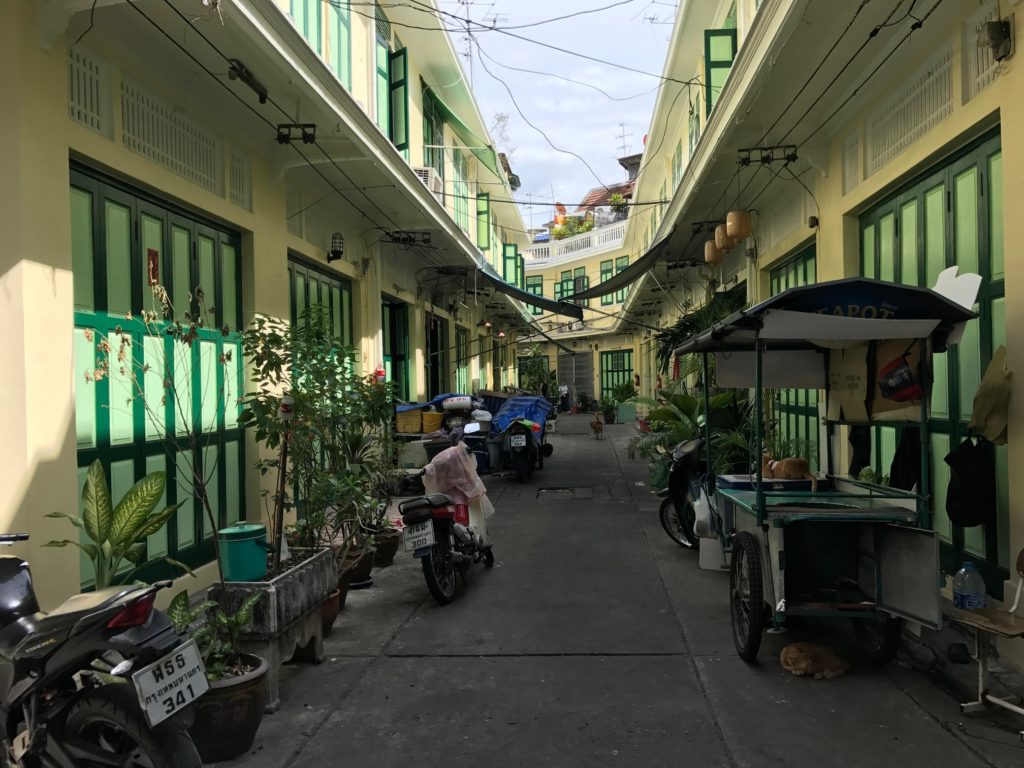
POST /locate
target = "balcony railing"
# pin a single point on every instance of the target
(576, 247)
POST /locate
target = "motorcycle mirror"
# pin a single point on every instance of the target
(471, 429)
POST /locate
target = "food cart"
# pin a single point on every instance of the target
(848, 549)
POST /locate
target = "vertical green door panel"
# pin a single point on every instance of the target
(336, 311)
(940, 482)
(119, 258)
(867, 251)
(207, 275)
(183, 393)
(940, 388)
(153, 384)
(934, 233)
(232, 493)
(152, 240)
(399, 83)
(300, 295)
(122, 478)
(209, 397)
(186, 514)
(233, 383)
(908, 244)
(969, 364)
(85, 568)
(229, 296)
(965, 219)
(211, 453)
(85, 391)
(122, 395)
(82, 250)
(995, 215)
(156, 545)
(181, 257)
(886, 248)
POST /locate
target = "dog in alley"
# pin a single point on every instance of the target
(787, 469)
(597, 426)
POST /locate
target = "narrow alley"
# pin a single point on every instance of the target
(595, 641)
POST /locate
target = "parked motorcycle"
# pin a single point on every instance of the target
(522, 420)
(523, 448)
(686, 472)
(102, 680)
(448, 530)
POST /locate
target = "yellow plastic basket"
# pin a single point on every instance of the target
(432, 422)
(409, 422)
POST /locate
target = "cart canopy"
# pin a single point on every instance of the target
(844, 313)
(523, 407)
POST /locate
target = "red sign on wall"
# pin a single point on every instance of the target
(153, 263)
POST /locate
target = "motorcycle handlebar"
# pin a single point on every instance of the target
(11, 538)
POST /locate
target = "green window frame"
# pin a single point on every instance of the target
(606, 273)
(460, 176)
(339, 41)
(382, 71)
(398, 113)
(123, 242)
(307, 17)
(616, 369)
(693, 127)
(535, 285)
(461, 360)
(677, 164)
(483, 221)
(509, 263)
(719, 52)
(621, 262)
(580, 282)
(563, 287)
(433, 133)
(308, 286)
(951, 215)
(797, 409)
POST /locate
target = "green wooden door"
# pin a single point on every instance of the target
(616, 369)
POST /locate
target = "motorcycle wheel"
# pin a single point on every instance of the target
(678, 520)
(108, 723)
(439, 573)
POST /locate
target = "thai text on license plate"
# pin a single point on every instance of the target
(169, 685)
(518, 441)
(419, 535)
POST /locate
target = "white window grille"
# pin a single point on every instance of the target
(159, 131)
(919, 105)
(980, 66)
(89, 91)
(851, 163)
(240, 179)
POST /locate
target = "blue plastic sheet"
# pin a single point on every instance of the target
(523, 407)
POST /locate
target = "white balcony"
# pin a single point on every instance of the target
(576, 247)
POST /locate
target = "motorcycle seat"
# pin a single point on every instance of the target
(433, 500)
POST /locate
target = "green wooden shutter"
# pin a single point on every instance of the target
(483, 221)
(509, 263)
(399, 79)
(520, 270)
(719, 52)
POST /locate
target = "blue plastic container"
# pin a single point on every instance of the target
(243, 551)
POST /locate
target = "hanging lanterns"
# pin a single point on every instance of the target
(722, 240)
(713, 255)
(738, 225)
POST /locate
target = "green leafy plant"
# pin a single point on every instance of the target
(623, 392)
(618, 204)
(118, 533)
(608, 404)
(216, 632)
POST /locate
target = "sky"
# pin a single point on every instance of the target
(576, 118)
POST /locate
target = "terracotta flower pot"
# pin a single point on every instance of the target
(329, 610)
(228, 715)
(386, 547)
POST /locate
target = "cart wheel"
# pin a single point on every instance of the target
(878, 638)
(746, 595)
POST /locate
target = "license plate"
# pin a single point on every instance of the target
(169, 685)
(419, 535)
(518, 441)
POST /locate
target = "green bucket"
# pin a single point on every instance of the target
(243, 551)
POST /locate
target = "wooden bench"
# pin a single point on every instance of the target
(988, 623)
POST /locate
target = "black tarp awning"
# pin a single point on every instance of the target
(630, 274)
(557, 307)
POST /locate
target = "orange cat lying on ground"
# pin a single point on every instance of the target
(787, 469)
(813, 659)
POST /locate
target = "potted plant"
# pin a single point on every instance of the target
(228, 715)
(625, 409)
(608, 407)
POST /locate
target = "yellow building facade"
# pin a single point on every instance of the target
(277, 155)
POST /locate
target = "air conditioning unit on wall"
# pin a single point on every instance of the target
(432, 181)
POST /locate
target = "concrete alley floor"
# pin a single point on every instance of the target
(595, 641)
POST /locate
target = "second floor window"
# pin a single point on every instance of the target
(461, 191)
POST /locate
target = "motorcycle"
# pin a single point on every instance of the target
(523, 448)
(685, 475)
(523, 419)
(448, 531)
(66, 696)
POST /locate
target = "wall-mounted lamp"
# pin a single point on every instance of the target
(337, 247)
(501, 334)
(996, 35)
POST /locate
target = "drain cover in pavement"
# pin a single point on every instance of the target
(565, 493)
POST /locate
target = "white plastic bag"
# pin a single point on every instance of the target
(703, 525)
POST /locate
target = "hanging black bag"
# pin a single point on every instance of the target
(971, 497)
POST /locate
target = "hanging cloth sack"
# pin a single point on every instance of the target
(992, 400)
(971, 496)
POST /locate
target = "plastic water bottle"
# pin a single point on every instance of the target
(968, 587)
